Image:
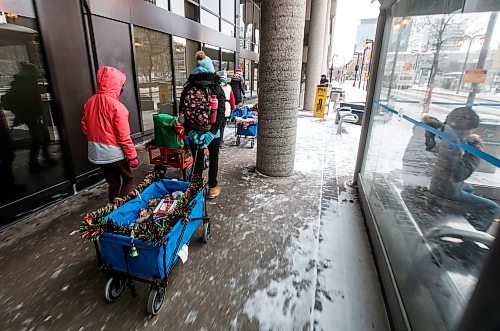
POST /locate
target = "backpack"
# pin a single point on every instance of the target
(196, 108)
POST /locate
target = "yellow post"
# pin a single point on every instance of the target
(320, 102)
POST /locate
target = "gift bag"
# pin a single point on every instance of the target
(165, 133)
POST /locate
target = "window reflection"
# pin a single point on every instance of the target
(213, 53)
(154, 73)
(212, 5)
(435, 201)
(228, 61)
(30, 151)
(160, 3)
(227, 28)
(227, 10)
(186, 9)
(184, 61)
(209, 20)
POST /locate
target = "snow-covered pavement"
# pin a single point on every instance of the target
(285, 254)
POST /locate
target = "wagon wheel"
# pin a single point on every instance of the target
(113, 288)
(160, 169)
(205, 237)
(155, 300)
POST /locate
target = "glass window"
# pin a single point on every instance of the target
(212, 5)
(213, 53)
(209, 20)
(228, 61)
(242, 24)
(186, 9)
(248, 24)
(256, 22)
(255, 78)
(30, 150)
(247, 73)
(184, 61)
(227, 10)
(227, 28)
(154, 74)
(160, 3)
(438, 83)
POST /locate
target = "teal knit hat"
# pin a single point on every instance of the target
(205, 64)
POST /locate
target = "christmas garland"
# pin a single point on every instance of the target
(149, 230)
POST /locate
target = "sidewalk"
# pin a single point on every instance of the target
(285, 253)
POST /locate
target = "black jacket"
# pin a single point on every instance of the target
(212, 81)
(238, 88)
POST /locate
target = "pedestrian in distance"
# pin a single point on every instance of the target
(202, 111)
(106, 127)
(238, 86)
(323, 81)
(230, 103)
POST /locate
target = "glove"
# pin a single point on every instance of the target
(206, 139)
(133, 163)
(193, 137)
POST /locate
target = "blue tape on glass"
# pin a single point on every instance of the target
(474, 151)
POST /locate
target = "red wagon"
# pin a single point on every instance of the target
(180, 158)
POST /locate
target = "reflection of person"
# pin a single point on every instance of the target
(230, 103)
(24, 100)
(238, 86)
(195, 109)
(430, 138)
(7, 157)
(455, 165)
(105, 124)
(323, 80)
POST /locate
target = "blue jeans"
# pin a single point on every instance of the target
(466, 195)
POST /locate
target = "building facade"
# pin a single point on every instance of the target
(50, 51)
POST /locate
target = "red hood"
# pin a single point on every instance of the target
(110, 81)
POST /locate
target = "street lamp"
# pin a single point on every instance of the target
(460, 43)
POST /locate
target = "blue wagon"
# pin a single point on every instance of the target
(245, 130)
(126, 259)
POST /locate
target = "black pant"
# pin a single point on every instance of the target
(213, 156)
(119, 177)
(222, 127)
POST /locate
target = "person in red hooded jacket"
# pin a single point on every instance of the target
(105, 124)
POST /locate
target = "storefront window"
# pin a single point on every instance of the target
(213, 53)
(228, 61)
(434, 205)
(154, 74)
(209, 20)
(227, 10)
(30, 150)
(184, 61)
(186, 9)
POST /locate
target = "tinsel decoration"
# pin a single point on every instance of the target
(151, 230)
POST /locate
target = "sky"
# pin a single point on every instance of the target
(349, 12)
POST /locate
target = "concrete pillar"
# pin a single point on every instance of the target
(326, 43)
(315, 50)
(282, 34)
